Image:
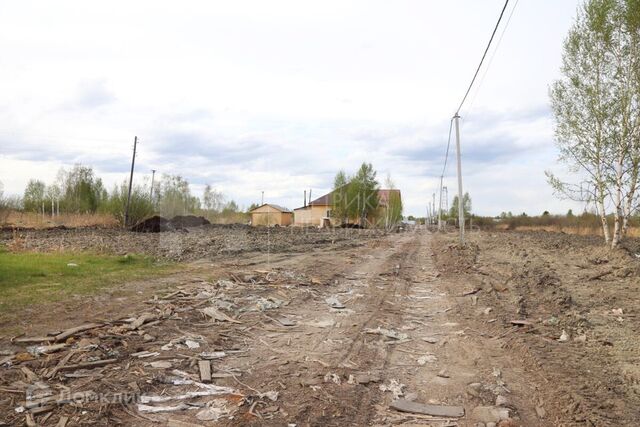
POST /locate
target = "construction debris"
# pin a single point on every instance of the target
(389, 333)
(404, 405)
(334, 302)
(395, 387)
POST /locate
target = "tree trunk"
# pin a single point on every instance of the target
(619, 214)
(603, 218)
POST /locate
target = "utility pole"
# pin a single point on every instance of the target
(262, 200)
(440, 207)
(433, 203)
(153, 176)
(133, 162)
(460, 197)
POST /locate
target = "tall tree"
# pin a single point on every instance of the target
(596, 105)
(393, 209)
(363, 193)
(34, 195)
(212, 199)
(340, 203)
(175, 196)
(466, 206)
(140, 205)
(82, 191)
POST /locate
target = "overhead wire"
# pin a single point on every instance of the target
(475, 75)
(466, 94)
(493, 55)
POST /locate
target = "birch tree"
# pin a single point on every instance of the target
(595, 105)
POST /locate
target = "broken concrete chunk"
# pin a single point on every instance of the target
(489, 414)
(427, 358)
(216, 314)
(334, 302)
(285, 321)
(394, 387)
(404, 405)
(564, 336)
(389, 333)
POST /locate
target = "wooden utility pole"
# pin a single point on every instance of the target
(133, 162)
(153, 176)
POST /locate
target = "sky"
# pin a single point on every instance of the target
(278, 96)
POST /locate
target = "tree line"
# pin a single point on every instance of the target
(80, 191)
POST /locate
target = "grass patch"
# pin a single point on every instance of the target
(32, 278)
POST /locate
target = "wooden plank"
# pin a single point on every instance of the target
(60, 364)
(62, 422)
(88, 365)
(178, 423)
(31, 340)
(205, 371)
(403, 405)
(70, 332)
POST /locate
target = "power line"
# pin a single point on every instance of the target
(446, 154)
(483, 56)
(493, 55)
(456, 117)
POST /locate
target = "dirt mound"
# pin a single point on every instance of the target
(182, 221)
(154, 224)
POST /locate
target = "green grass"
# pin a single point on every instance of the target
(28, 278)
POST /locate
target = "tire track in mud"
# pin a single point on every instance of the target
(398, 258)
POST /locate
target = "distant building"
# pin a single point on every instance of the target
(270, 214)
(318, 212)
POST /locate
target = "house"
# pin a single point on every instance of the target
(318, 212)
(270, 214)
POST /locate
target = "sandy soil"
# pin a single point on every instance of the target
(418, 317)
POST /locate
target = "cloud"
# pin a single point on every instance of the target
(91, 95)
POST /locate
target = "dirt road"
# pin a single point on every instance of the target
(330, 336)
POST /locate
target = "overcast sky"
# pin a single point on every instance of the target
(279, 95)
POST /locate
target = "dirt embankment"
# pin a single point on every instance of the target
(183, 244)
(578, 306)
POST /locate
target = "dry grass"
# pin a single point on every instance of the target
(580, 231)
(34, 220)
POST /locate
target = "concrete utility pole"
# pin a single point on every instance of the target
(460, 197)
(433, 203)
(440, 207)
(153, 176)
(133, 162)
(262, 199)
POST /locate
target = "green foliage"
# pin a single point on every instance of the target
(393, 210)
(596, 105)
(212, 199)
(34, 196)
(81, 191)
(230, 208)
(175, 197)
(466, 206)
(340, 201)
(362, 193)
(140, 206)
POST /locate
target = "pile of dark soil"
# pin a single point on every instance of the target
(157, 224)
(154, 224)
(182, 221)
